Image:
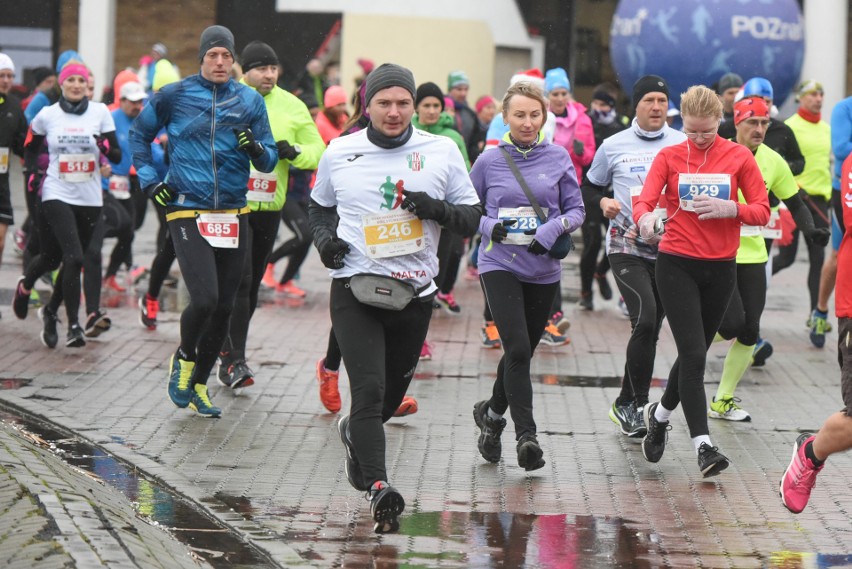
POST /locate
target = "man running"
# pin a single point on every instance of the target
(13, 131)
(217, 129)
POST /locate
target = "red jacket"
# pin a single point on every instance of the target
(843, 287)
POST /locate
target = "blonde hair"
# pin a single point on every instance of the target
(700, 102)
(525, 89)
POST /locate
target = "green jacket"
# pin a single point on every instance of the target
(444, 127)
(815, 142)
(289, 120)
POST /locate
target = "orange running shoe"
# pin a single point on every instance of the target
(407, 407)
(329, 394)
(269, 280)
(111, 283)
(490, 336)
(290, 290)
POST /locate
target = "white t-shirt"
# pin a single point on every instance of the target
(73, 175)
(365, 181)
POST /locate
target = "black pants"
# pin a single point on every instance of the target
(260, 237)
(695, 295)
(636, 282)
(816, 253)
(294, 214)
(380, 349)
(162, 263)
(837, 206)
(92, 265)
(120, 218)
(742, 319)
(65, 234)
(520, 312)
(212, 276)
(450, 253)
(332, 352)
(592, 231)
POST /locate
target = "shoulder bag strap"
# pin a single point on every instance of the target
(520, 178)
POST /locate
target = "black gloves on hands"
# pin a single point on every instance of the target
(535, 247)
(247, 143)
(287, 151)
(160, 193)
(499, 233)
(819, 236)
(423, 205)
(332, 253)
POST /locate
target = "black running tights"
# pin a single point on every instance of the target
(742, 319)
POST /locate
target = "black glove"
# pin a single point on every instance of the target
(287, 151)
(332, 253)
(423, 205)
(535, 247)
(247, 143)
(499, 233)
(102, 144)
(819, 236)
(160, 193)
(35, 181)
(579, 147)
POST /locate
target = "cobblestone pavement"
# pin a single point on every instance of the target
(271, 467)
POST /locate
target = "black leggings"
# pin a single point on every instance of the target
(695, 294)
(450, 253)
(380, 349)
(816, 253)
(520, 313)
(294, 214)
(212, 276)
(837, 206)
(120, 217)
(742, 319)
(332, 352)
(592, 231)
(162, 263)
(636, 282)
(65, 235)
(260, 237)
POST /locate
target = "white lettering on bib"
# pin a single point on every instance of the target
(525, 219)
(261, 186)
(119, 187)
(713, 185)
(76, 168)
(221, 230)
(4, 160)
(392, 234)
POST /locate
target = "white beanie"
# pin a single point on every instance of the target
(6, 62)
(533, 76)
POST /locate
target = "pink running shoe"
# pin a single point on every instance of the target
(426, 352)
(800, 477)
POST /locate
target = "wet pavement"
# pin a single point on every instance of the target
(270, 470)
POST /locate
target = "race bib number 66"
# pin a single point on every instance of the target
(691, 185)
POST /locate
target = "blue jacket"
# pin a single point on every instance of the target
(206, 170)
(841, 137)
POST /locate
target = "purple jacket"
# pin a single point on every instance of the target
(550, 175)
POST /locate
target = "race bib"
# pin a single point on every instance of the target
(750, 230)
(713, 185)
(119, 187)
(525, 219)
(392, 234)
(261, 186)
(660, 210)
(772, 230)
(221, 230)
(4, 160)
(76, 168)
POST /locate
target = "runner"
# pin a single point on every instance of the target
(217, 129)
(374, 180)
(696, 270)
(13, 131)
(623, 160)
(519, 265)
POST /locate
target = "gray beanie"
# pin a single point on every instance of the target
(389, 75)
(216, 36)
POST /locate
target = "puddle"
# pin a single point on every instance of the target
(215, 543)
(586, 380)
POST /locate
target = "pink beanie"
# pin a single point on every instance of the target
(73, 69)
(449, 103)
(334, 95)
(483, 101)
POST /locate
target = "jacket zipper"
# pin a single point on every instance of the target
(213, 151)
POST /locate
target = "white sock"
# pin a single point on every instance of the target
(662, 414)
(493, 416)
(697, 441)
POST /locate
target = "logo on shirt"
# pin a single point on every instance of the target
(416, 161)
(354, 158)
(391, 193)
(637, 169)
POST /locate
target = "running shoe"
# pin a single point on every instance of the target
(800, 477)
(290, 290)
(762, 351)
(562, 324)
(35, 299)
(201, 404)
(809, 323)
(75, 338)
(490, 430)
(148, 309)
(728, 409)
(21, 300)
(818, 325)
(603, 285)
(20, 242)
(472, 273)
(235, 375)
(654, 443)
(629, 419)
(110, 283)
(710, 461)
(552, 337)
(351, 465)
(585, 301)
(49, 335)
(328, 392)
(623, 307)
(407, 407)
(447, 302)
(97, 323)
(269, 280)
(530, 453)
(425, 352)
(180, 381)
(137, 274)
(490, 336)
(386, 504)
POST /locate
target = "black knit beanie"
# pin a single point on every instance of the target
(429, 90)
(649, 84)
(390, 75)
(216, 36)
(258, 54)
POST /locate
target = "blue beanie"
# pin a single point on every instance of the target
(556, 78)
(65, 57)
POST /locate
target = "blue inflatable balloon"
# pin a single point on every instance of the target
(692, 42)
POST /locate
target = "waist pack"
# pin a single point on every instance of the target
(382, 292)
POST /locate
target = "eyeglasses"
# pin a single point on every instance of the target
(708, 134)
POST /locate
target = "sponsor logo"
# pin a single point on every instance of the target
(628, 26)
(766, 28)
(410, 274)
(416, 161)
(637, 169)
(354, 157)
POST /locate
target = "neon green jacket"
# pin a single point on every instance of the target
(444, 127)
(815, 142)
(290, 120)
